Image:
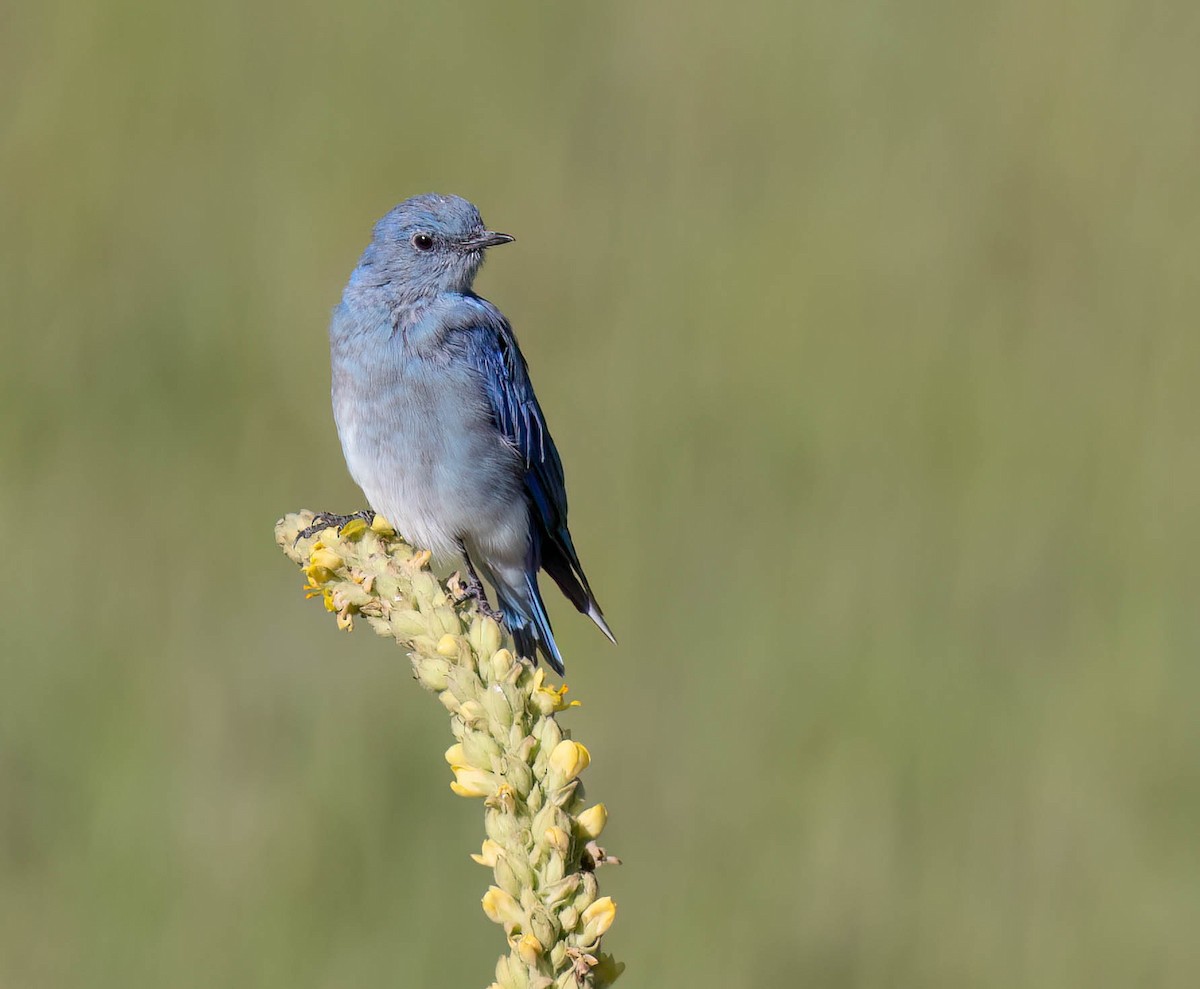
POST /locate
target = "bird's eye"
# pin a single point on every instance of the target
(422, 242)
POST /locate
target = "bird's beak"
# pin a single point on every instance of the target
(489, 238)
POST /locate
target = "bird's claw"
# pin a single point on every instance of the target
(326, 520)
(472, 590)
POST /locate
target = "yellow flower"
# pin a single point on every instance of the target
(489, 854)
(316, 577)
(530, 949)
(503, 799)
(324, 558)
(599, 917)
(315, 589)
(570, 759)
(456, 756)
(592, 821)
(550, 700)
(448, 645)
(469, 782)
(322, 563)
(501, 908)
(379, 525)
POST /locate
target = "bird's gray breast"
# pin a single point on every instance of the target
(421, 441)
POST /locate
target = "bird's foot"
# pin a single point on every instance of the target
(326, 520)
(472, 590)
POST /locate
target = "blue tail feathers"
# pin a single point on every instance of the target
(526, 618)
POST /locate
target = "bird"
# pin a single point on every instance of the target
(439, 423)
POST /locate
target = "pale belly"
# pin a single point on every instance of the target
(424, 451)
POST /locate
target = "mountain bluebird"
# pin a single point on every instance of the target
(439, 422)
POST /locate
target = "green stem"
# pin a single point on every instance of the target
(510, 750)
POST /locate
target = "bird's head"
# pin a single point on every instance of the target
(427, 245)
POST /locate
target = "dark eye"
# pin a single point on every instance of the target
(422, 242)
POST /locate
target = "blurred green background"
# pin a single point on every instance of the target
(869, 336)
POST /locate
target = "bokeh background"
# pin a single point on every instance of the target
(868, 334)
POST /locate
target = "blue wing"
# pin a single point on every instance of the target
(490, 346)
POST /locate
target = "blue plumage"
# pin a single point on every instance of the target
(439, 421)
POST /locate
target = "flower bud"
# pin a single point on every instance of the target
(563, 796)
(407, 624)
(588, 890)
(558, 892)
(431, 672)
(554, 868)
(518, 860)
(523, 747)
(445, 620)
(387, 588)
(549, 734)
(424, 588)
(520, 976)
(569, 759)
(500, 827)
(497, 705)
(481, 749)
(558, 839)
(549, 817)
(506, 877)
(598, 918)
(529, 949)
(485, 636)
(542, 925)
(464, 682)
(501, 908)
(519, 775)
(592, 821)
(503, 975)
(534, 798)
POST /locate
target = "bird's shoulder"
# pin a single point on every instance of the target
(469, 312)
(452, 323)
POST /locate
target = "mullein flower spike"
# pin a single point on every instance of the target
(509, 749)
